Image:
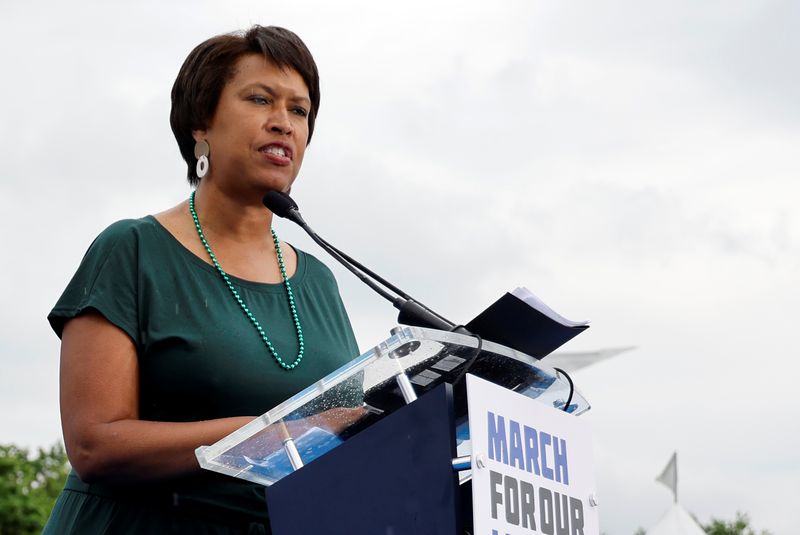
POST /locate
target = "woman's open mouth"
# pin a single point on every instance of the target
(277, 153)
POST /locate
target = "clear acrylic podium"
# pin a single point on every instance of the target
(352, 454)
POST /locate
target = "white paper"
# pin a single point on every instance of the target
(532, 301)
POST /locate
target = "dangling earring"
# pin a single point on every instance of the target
(201, 152)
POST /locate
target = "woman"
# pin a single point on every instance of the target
(181, 327)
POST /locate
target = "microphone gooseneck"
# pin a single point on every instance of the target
(279, 203)
(412, 312)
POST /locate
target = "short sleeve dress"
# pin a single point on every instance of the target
(200, 358)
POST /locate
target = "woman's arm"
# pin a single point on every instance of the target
(104, 438)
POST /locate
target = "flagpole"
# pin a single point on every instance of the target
(675, 456)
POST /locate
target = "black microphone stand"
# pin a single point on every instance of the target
(412, 312)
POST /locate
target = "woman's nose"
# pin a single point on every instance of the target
(279, 122)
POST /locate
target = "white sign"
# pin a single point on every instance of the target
(532, 466)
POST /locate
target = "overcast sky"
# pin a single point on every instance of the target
(632, 163)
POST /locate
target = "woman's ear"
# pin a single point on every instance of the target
(199, 135)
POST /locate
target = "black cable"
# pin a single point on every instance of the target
(571, 387)
(471, 360)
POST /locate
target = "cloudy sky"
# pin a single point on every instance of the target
(633, 163)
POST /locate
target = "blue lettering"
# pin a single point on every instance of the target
(498, 447)
(515, 449)
(560, 460)
(532, 451)
(545, 440)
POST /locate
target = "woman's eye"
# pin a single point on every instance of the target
(258, 99)
(300, 111)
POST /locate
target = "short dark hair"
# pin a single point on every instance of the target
(204, 73)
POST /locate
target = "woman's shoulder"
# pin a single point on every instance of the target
(124, 227)
(106, 278)
(121, 243)
(316, 274)
(125, 231)
(313, 265)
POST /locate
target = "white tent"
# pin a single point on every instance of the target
(676, 521)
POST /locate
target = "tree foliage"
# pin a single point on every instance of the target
(29, 484)
(738, 526)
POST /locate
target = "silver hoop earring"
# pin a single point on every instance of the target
(201, 152)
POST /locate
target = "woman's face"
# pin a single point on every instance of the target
(259, 130)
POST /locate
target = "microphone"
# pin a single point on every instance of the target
(282, 205)
(412, 312)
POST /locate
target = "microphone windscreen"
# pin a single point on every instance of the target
(279, 203)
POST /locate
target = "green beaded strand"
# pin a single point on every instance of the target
(243, 306)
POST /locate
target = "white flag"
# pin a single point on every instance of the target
(669, 476)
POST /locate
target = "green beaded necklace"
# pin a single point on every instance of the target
(242, 304)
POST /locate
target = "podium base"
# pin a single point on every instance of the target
(396, 479)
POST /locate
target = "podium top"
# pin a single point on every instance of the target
(365, 390)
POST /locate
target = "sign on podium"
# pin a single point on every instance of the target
(532, 468)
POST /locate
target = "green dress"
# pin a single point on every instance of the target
(199, 358)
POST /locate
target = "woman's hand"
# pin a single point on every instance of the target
(104, 438)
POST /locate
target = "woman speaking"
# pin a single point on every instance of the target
(181, 327)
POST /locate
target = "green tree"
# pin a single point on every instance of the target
(739, 526)
(28, 487)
